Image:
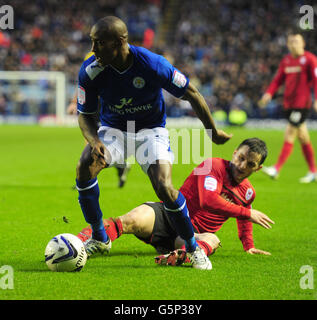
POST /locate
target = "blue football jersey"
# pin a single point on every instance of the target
(132, 95)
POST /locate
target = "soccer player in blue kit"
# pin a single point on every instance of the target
(129, 80)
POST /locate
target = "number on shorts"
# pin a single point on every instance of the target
(295, 116)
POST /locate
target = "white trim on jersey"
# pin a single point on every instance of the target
(176, 210)
(87, 112)
(122, 71)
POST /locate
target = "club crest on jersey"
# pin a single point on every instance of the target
(302, 60)
(249, 194)
(179, 79)
(210, 183)
(81, 95)
(138, 82)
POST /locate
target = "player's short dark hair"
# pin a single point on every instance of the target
(112, 26)
(255, 145)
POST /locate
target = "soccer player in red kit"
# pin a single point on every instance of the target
(298, 72)
(216, 190)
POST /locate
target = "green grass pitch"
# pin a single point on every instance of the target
(37, 175)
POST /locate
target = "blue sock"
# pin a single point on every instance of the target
(89, 203)
(178, 213)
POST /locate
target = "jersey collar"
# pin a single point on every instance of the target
(126, 70)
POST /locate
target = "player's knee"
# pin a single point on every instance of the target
(291, 133)
(128, 223)
(215, 242)
(131, 223)
(139, 221)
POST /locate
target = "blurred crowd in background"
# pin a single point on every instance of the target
(230, 49)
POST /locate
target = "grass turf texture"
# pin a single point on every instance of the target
(37, 175)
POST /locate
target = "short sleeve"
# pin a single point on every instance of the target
(87, 94)
(171, 79)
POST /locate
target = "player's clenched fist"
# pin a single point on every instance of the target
(221, 137)
(98, 152)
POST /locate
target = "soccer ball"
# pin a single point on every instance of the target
(65, 252)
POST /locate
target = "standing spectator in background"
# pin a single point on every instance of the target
(298, 71)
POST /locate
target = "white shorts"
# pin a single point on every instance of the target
(147, 146)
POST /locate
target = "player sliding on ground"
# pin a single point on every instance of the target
(129, 80)
(222, 192)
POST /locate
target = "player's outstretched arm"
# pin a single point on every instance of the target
(245, 234)
(277, 81)
(260, 218)
(201, 108)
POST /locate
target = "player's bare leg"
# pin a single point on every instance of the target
(303, 134)
(291, 133)
(139, 221)
(308, 152)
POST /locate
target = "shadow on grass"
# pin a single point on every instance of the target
(41, 266)
(126, 253)
(94, 268)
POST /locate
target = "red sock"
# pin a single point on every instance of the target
(308, 151)
(85, 234)
(285, 153)
(206, 247)
(203, 245)
(113, 228)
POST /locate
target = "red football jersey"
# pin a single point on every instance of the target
(299, 76)
(208, 210)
